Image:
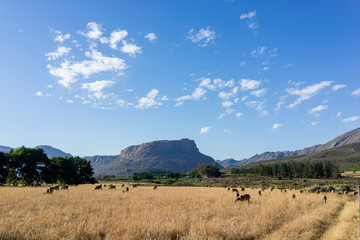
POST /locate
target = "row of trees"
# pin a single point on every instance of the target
(157, 174)
(324, 169)
(31, 165)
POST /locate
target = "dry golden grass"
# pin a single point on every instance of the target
(173, 213)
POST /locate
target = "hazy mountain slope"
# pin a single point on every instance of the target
(5, 149)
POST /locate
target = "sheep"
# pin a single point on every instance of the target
(228, 188)
(291, 189)
(244, 197)
(324, 198)
(271, 189)
(155, 187)
(48, 191)
(260, 192)
(234, 190)
(112, 187)
(126, 190)
(134, 186)
(64, 187)
(318, 192)
(355, 193)
(122, 185)
(104, 185)
(242, 189)
(301, 191)
(345, 192)
(57, 187)
(293, 196)
(98, 187)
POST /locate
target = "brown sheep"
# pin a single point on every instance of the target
(324, 198)
(112, 187)
(293, 196)
(301, 191)
(242, 189)
(260, 192)
(122, 185)
(126, 190)
(57, 187)
(244, 197)
(64, 187)
(98, 187)
(134, 186)
(355, 193)
(228, 188)
(271, 189)
(155, 187)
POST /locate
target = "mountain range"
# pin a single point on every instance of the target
(350, 137)
(48, 150)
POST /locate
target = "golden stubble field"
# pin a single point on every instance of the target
(173, 213)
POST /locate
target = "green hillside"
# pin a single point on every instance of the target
(347, 157)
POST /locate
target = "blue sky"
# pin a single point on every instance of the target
(238, 77)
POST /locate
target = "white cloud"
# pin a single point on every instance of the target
(338, 114)
(276, 125)
(248, 15)
(307, 92)
(49, 86)
(258, 93)
(242, 64)
(59, 37)
(196, 95)
(129, 90)
(239, 114)
(356, 92)
(94, 30)
(204, 130)
(86, 102)
(130, 48)
(258, 51)
(266, 68)
(115, 37)
(314, 123)
(226, 95)
(69, 101)
(150, 101)
(151, 37)
(39, 94)
(248, 84)
(288, 65)
(215, 84)
(69, 72)
(317, 109)
(227, 104)
(202, 37)
(351, 119)
(97, 86)
(337, 87)
(278, 105)
(226, 130)
(59, 52)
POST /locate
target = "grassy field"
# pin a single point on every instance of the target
(174, 213)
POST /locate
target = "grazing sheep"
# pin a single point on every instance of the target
(236, 195)
(134, 186)
(244, 197)
(64, 187)
(324, 198)
(57, 187)
(155, 187)
(48, 191)
(112, 187)
(355, 193)
(98, 187)
(126, 190)
(242, 189)
(291, 189)
(228, 188)
(260, 192)
(234, 190)
(293, 196)
(104, 185)
(301, 191)
(122, 185)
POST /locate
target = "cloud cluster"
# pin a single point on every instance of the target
(59, 52)
(307, 92)
(250, 19)
(317, 109)
(204, 130)
(356, 93)
(151, 37)
(150, 100)
(202, 37)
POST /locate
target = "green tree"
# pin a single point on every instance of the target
(208, 170)
(4, 161)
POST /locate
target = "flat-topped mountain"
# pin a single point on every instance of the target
(177, 155)
(350, 137)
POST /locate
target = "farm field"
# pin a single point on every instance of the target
(174, 213)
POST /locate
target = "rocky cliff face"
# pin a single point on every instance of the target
(178, 156)
(344, 139)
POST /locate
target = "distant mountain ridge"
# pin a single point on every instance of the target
(48, 150)
(349, 137)
(175, 155)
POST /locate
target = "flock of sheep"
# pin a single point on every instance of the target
(246, 197)
(237, 196)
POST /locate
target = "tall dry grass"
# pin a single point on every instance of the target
(172, 213)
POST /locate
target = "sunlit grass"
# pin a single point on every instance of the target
(173, 213)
